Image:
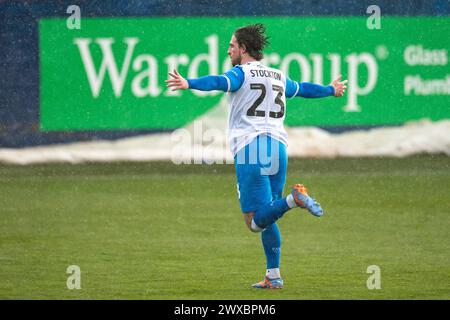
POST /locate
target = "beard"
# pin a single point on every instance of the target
(236, 61)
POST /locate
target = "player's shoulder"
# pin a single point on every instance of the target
(235, 73)
(236, 69)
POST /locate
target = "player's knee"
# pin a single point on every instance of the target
(251, 225)
(255, 228)
(248, 218)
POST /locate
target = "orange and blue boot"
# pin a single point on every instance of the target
(303, 200)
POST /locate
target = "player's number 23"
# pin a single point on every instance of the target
(253, 112)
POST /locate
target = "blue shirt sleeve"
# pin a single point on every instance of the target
(235, 77)
(209, 83)
(230, 81)
(292, 88)
(307, 89)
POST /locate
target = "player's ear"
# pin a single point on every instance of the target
(243, 48)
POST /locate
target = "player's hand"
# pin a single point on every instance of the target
(177, 82)
(339, 87)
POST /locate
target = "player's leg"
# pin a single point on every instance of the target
(271, 240)
(271, 237)
(267, 214)
(261, 209)
(254, 187)
(254, 184)
(255, 192)
(270, 213)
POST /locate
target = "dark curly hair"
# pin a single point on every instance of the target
(253, 38)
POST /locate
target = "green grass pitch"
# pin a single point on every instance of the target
(161, 231)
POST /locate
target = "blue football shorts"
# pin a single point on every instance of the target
(261, 172)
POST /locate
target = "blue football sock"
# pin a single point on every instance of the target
(268, 214)
(271, 240)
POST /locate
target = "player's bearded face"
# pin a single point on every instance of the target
(236, 60)
(234, 52)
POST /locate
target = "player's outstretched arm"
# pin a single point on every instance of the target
(230, 81)
(312, 90)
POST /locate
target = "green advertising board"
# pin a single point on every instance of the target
(110, 74)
